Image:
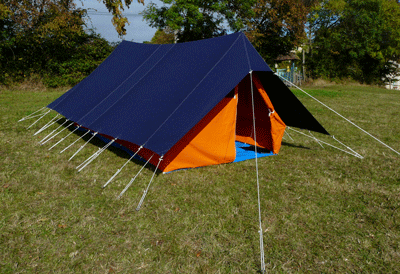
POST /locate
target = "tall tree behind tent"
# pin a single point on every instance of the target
(274, 27)
(355, 39)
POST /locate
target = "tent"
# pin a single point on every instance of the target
(186, 105)
(190, 104)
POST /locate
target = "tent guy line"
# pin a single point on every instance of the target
(74, 142)
(44, 140)
(82, 146)
(257, 175)
(30, 115)
(120, 169)
(49, 124)
(337, 113)
(353, 153)
(65, 137)
(148, 186)
(41, 117)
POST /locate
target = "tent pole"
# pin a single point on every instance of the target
(39, 119)
(119, 170)
(30, 115)
(94, 156)
(82, 146)
(49, 124)
(74, 142)
(334, 111)
(258, 181)
(147, 189)
(65, 137)
(57, 133)
(133, 179)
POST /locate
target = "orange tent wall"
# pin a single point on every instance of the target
(269, 126)
(212, 140)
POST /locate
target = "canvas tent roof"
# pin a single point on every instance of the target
(152, 95)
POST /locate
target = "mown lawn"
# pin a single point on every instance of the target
(323, 211)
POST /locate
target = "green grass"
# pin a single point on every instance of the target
(323, 211)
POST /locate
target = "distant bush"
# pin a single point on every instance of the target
(47, 43)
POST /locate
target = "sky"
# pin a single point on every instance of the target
(100, 20)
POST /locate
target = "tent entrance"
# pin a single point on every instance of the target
(269, 126)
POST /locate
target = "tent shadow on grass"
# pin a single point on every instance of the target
(100, 144)
(292, 145)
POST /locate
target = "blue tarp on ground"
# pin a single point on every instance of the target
(246, 152)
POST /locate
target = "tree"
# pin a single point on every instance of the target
(356, 39)
(277, 27)
(46, 38)
(165, 36)
(273, 26)
(116, 7)
(199, 19)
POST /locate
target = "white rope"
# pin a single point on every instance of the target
(289, 135)
(34, 116)
(94, 156)
(82, 146)
(343, 117)
(346, 146)
(39, 119)
(48, 135)
(87, 159)
(65, 137)
(50, 123)
(30, 115)
(353, 154)
(258, 182)
(57, 133)
(315, 139)
(74, 142)
(133, 179)
(147, 189)
(119, 170)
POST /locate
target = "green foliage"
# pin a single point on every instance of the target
(274, 27)
(356, 39)
(277, 27)
(116, 7)
(198, 19)
(47, 40)
(165, 36)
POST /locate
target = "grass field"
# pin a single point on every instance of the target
(323, 211)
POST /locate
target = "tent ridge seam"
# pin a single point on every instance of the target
(247, 53)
